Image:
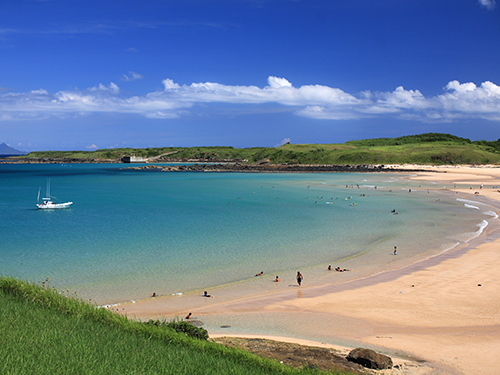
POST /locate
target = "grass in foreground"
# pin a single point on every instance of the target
(43, 332)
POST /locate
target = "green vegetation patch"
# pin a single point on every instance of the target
(429, 148)
(43, 331)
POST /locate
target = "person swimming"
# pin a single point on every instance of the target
(277, 279)
(260, 273)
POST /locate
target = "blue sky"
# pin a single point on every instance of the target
(86, 74)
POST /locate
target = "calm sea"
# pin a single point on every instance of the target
(130, 233)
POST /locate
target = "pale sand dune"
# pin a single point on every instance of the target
(437, 312)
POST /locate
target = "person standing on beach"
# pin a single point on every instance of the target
(395, 251)
(299, 278)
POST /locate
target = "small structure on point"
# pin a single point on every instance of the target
(133, 159)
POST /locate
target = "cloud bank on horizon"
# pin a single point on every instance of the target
(458, 101)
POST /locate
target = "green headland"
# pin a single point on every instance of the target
(428, 149)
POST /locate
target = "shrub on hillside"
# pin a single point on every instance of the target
(181, 327)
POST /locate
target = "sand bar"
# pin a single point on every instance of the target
(443, 311)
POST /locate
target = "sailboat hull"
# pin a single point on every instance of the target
(53, 206)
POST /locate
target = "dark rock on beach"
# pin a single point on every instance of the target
(370, 359)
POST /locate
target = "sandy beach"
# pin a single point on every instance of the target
(437, 316)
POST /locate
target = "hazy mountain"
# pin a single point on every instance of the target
(7, 150)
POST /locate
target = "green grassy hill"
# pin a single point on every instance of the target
(43, 332)
(430, 148)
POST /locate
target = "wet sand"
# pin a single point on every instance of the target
(438, 316)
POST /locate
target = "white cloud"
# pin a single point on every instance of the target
(40, 92)
(92, 147)
(458, 100)
(284, 141)
(488, 4)
(112, 87)
(169, 84)
(458, 87)
(279, 91)
(329, 113)
(160, 114)
(401, 98)
(131, 76)
(468, 100)
(276, 82)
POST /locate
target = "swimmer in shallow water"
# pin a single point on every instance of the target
(277, 279)
(299, 278)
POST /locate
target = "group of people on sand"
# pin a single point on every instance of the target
(338, 269)
(299, 278)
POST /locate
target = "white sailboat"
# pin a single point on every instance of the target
(48, 203)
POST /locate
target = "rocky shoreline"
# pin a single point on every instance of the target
(322, 358)
(221, 166)
(275, 168)
(14, 160)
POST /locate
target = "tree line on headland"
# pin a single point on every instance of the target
(429, 148)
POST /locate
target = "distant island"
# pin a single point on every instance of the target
(6, 150)
(423, 149)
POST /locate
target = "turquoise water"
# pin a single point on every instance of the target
(129, 233)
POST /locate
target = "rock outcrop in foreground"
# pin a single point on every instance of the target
(370, 359)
